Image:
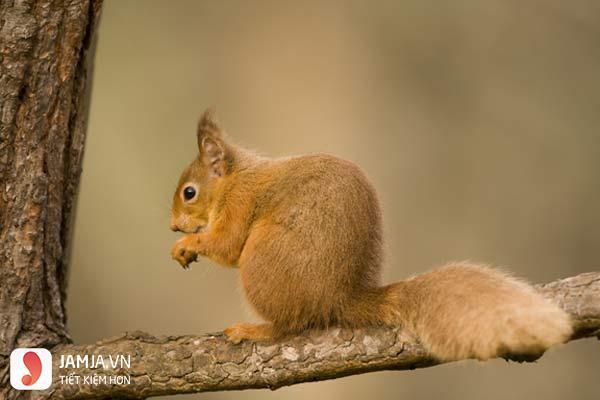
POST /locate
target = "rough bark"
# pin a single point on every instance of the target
(186, 364)
(44, 62)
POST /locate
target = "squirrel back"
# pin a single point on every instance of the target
(305, 232)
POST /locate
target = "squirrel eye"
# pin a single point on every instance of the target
(189, 193)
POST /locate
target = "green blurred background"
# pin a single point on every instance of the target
(478, 123)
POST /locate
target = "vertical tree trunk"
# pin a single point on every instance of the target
(44, 84)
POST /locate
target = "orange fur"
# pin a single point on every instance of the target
(306, 234)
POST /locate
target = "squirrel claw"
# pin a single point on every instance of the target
(183, 254)
(185, 260)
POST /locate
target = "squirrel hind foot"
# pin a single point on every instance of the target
(251, 332)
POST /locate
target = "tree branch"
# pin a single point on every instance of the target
(187, 364)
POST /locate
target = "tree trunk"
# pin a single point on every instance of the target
(44, 85)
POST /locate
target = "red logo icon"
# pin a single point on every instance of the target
(33, 363)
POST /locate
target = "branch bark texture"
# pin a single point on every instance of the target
(188, 364)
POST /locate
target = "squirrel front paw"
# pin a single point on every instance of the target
(185, 251)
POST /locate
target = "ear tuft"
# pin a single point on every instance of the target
(208, 125)
(214, 152)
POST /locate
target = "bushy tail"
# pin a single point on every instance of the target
(469, 311)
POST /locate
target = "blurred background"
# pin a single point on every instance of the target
(478, 123)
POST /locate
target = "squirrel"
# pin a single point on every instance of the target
(305, 232)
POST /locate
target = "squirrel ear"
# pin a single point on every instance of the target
(213, 150)
(212, 153)
(208, 126)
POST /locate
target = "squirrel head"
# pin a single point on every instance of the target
(193, 197)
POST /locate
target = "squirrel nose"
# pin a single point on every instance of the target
(173, 224)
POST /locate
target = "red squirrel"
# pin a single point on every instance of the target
(305, 233)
